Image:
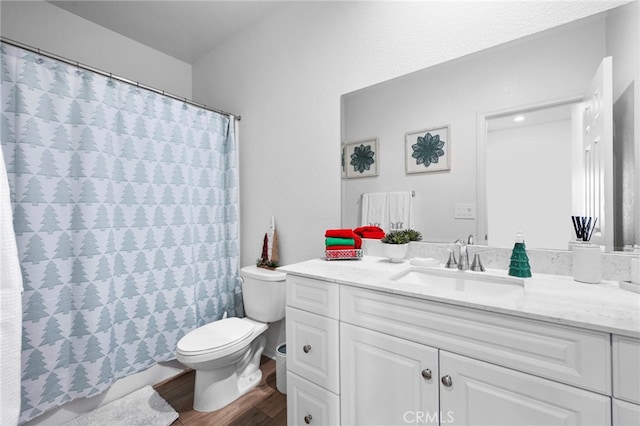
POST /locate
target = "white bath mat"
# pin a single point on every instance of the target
(143, 407)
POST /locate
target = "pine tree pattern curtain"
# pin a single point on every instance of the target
(125, 212)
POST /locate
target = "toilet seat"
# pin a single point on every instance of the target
(225, 335)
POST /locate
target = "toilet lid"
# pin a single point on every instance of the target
(215, 335)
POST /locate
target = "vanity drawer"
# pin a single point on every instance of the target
(626, 368)
(625, 413)
(567, 354)
(313, 348)
(310, 404)
(319, 297)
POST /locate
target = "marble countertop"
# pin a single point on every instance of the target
(552, 298)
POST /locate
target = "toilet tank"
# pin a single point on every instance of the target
(263, 293)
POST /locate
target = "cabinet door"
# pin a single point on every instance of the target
(626, 368)
(312, 348)
(385, 380)
(625, 413)
(477, 393)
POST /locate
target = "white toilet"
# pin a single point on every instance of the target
(226, 353)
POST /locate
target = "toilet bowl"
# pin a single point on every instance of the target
(226, 353)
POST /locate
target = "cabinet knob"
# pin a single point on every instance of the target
(446, 380)
(426, 373)
(306, 349)
(308, 418)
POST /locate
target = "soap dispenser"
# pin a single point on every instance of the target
(519, 265)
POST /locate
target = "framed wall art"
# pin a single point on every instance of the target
(343, 161)
(361, 158)
(428, 150)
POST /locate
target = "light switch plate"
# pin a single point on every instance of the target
(465, 211)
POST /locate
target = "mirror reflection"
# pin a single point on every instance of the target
(528, 176)
(517, 145)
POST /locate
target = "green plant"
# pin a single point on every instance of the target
(402, 237)
(413, 235)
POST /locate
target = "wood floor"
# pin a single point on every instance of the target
(263, 406)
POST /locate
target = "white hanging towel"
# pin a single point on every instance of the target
(10, 309)
(374, 210)
(400, 210)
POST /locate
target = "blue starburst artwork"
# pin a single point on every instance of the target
(427, 150)
(361, 158)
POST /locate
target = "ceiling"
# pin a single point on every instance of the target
(186, 30)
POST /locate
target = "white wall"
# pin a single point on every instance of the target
(51, 29)
(285, 76)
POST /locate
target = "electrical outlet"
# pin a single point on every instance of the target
(465, 211)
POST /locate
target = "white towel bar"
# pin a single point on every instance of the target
(413, 193)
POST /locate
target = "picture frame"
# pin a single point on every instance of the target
(428, 150)
(343, 161)
(361, 158)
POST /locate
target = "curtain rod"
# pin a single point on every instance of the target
(112, 76)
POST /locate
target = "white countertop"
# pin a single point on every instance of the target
(552, 298)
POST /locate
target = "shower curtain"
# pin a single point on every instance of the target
(125, 210)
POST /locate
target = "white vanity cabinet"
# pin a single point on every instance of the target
(391, 381)
(626, 381)
(359, 356)
(313, 380)
(483, 368)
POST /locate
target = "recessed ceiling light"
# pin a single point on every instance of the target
(518, 118)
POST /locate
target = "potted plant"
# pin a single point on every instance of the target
(396, 243)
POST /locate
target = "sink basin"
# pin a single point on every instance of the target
(460, 281)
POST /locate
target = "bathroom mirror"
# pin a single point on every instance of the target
(469, 95)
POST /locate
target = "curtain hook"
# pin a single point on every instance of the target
(39, 59)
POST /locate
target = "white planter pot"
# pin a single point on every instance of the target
(395, 252)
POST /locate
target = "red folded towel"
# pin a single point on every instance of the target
(339, 233)
(358, 241)
(368, 229)
(373, 235)
(339, 247)
(344, 233)
(369, 232)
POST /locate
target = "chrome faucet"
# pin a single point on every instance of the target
(463, 255)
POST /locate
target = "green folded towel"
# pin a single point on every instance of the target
(333, 241)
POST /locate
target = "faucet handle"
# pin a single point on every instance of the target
(471, 240)
(451, 263)
(476, 265)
